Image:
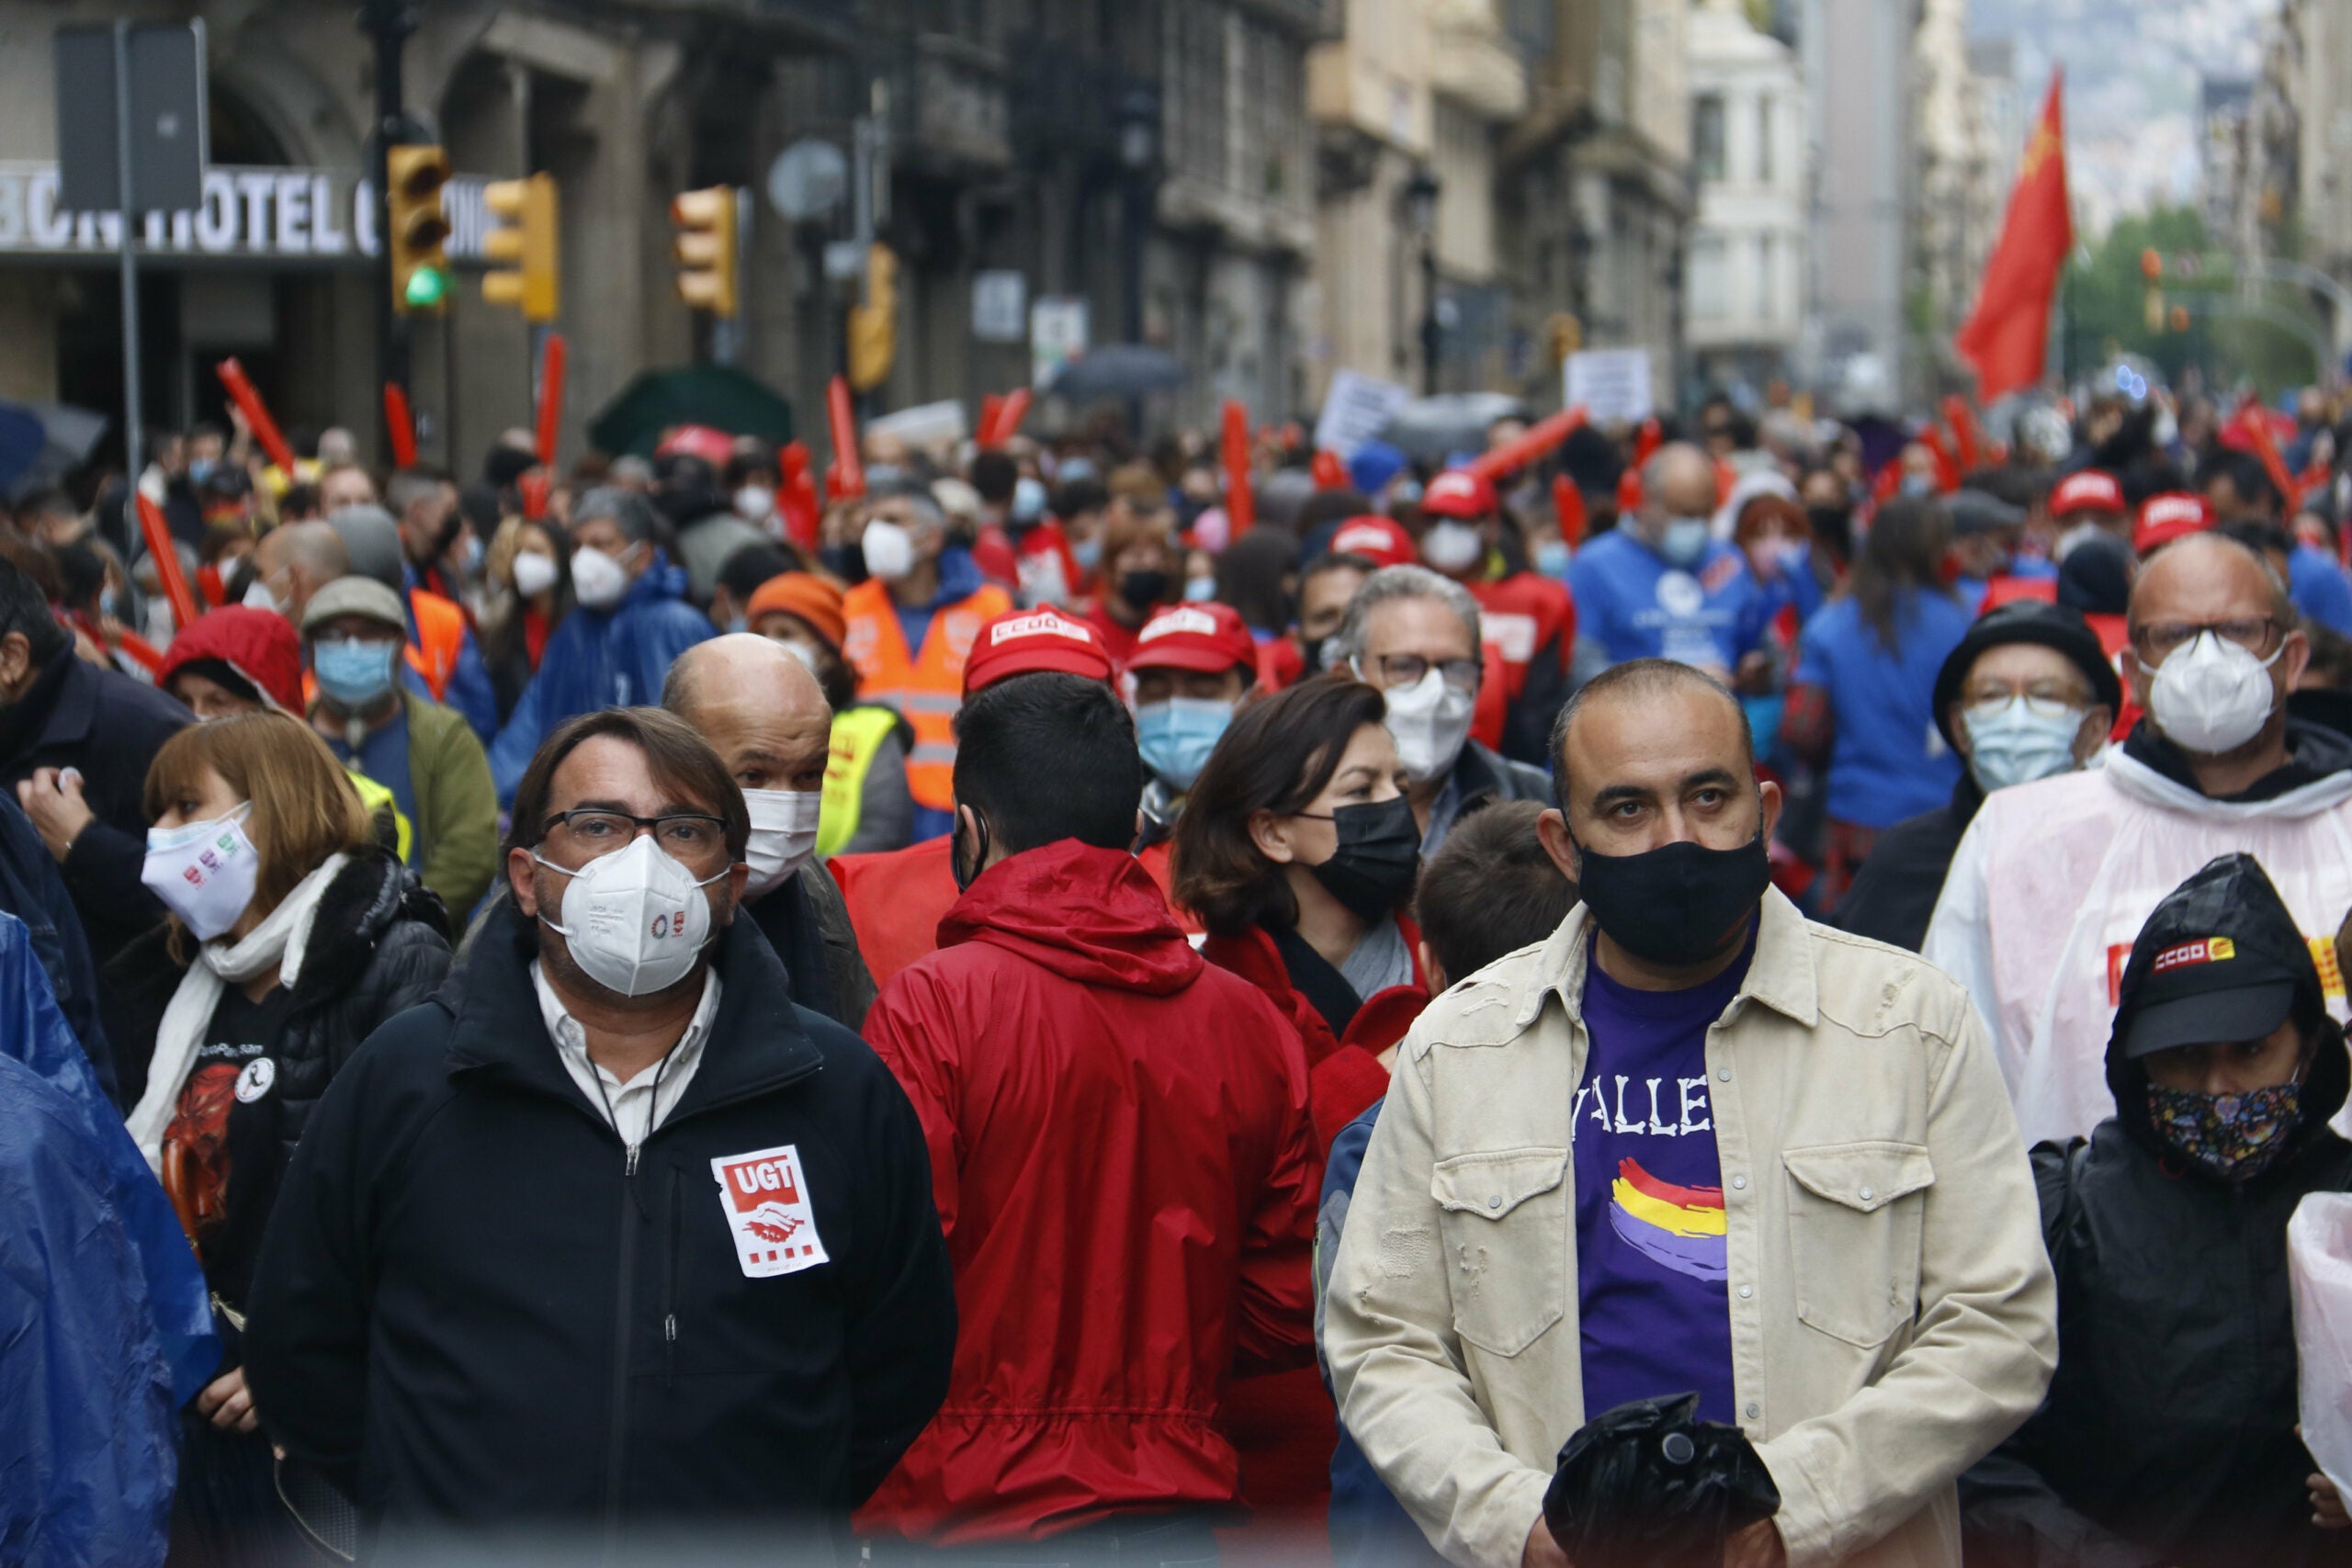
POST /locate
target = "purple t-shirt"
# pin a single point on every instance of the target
(1650, 1240)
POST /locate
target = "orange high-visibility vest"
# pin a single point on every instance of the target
(440, 635)
(926, 686)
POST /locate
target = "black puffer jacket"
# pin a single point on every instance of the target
(2168, 1433)
(378, 946)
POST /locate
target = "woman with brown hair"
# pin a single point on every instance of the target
(1142, 569)
(292, 935)
(1298, 852)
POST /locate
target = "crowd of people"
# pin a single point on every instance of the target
(618, 1001)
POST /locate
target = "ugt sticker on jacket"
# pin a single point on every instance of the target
(767, 1208)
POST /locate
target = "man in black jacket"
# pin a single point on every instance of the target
(763, 712)
(608, 1233)
(2168, 1435)
(2026, 694)
(74, 745)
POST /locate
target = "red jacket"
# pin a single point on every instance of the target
(897, 898)
(259, 645)
(1346, 1076)
(1121, 1158)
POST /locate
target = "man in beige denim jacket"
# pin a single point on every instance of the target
(1892, 1313)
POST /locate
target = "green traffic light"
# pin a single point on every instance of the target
(428, 286)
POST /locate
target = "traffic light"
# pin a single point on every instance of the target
(523, 234)
(2152, 268)
(1563, 335)
(706, 249)
(874, 322)
(415, 227)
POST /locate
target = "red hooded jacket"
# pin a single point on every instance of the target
(1122, 1161)
(259, 645)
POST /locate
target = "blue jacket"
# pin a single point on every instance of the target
(31, 890)
(1369, 1528)
(1633, 604)
(102, 1307)
(2320, 589)
(1888, 761)
(601, 659)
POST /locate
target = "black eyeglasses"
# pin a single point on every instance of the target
(2158, 640)
(594, 830)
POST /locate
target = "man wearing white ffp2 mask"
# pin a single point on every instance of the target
(763, 711)
(1415, 635)
(2052, 878)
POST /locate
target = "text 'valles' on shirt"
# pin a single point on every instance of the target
(1651, 1260)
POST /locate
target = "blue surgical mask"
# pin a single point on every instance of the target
(1177, 736)
(1552, 557)
(1088, 553)
(201, 469)
(2011, 744)
(469, 556)
(738, 625)
(1199, 590)
(1685, 540)
(354, 674)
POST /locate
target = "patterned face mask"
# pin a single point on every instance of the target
(2232, 1136)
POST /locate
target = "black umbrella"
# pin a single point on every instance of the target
(1118, 370)
(718, 395)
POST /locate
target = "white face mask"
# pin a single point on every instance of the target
(597, 579)
(754, 503)
(204, 872)
(1429, 720)
(1451, 547)
(635, 919)
(784, 835)
(259, 597)
(2213, 697)
(890, 550)
(1685, 539)
(533, 573)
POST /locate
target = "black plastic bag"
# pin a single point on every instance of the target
(1650, 1486)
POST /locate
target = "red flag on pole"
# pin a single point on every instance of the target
(2007, 337)
(551, 363)
(1240, 500)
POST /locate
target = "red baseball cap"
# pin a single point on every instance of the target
(1380, 540)
(1207, 636)
(2175, 515)
(2090, 490)
(1025, 641)
(1460, 494)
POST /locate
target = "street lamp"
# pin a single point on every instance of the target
(1138, 164)
(1421, 215)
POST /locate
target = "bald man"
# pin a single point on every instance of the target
(763, 712)
(2054, 880)
(294, 561)
(1659, 585)
(1766, 1163)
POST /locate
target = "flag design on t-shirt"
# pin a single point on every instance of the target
(1680, 1227)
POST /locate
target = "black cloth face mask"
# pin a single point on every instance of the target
(1678, 905)
(955, 867)
(1379, 855)
(1143, 588)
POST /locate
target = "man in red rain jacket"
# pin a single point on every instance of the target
(1121, 1158)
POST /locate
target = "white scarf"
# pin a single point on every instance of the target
(280, 939)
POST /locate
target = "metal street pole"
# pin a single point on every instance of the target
(389, 23)
(134, 425)
(1433, 329)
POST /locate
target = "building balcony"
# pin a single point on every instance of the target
(1470, 63)
(950, 108)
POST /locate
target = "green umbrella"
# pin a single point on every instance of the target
(718, 395)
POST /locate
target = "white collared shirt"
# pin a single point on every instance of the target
(631, 1109)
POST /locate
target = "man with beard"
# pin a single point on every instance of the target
(1690, 1142)
(607, 1232)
